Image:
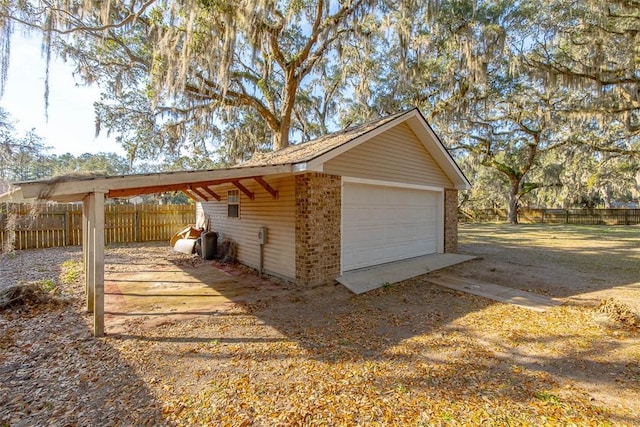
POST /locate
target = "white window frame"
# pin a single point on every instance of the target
(233, 199)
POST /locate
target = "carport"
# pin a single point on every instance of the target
(93, 190)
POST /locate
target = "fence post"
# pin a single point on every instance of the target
(566, 216)
(136, 220)
(67, 228)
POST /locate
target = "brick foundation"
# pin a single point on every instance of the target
(450, 221)
(318, 215)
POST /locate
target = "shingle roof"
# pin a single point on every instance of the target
(307, 151)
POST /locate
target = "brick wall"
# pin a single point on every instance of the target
(451, 220)
(318, 213)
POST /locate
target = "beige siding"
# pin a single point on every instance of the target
(264, 211)
(395, 155)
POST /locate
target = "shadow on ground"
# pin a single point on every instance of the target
(53, 372)
(258, 339)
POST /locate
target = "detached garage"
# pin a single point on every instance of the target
(382, 192)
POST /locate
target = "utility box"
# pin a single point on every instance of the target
(262, 235)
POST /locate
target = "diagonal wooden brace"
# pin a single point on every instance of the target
(274, 193)
(244, 189)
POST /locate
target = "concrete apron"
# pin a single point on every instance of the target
(368, 279)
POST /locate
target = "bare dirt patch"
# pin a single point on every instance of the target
(412, 353)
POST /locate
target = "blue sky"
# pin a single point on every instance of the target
(70, 128)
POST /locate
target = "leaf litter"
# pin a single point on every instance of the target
(411, 354)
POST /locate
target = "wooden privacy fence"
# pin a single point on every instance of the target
(557, 216)
(49, 225)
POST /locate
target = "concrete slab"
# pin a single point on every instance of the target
(368, 279)
(504, 294)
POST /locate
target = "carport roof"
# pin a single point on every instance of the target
(308, 156)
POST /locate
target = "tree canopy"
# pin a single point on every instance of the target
(541, 98)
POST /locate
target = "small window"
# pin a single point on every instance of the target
(233, 204)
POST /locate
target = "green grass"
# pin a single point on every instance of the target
(71, 271)
(48, 285)
(548, 398)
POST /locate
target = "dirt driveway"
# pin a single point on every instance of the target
(269, 353)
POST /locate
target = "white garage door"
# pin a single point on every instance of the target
(384, 224)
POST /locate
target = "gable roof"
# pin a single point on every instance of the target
(309, 156)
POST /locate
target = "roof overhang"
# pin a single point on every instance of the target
(194, 183)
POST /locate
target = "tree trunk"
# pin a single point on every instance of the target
(606, 196)
(281, 137)
(512, 216)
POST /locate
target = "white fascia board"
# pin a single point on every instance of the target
(349, 179)
(304, 167)
(437, 149)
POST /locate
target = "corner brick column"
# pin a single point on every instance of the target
(450, 220)
(318, 216)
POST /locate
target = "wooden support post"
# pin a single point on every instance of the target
(136, 225)
(88, 249)
(274, 193)
(68, 227)
(98, 262)
(244, 189)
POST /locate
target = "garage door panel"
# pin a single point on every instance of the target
(384, 224)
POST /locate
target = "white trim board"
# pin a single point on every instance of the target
(347, 179)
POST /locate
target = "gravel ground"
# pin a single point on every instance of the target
(35, 264)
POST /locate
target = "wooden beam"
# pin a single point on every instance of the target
(198, 193)
(244, 189)
(74, 189)
(98, 241)
(135, 191)
(266, 186)
(212, 193)
(189, 195)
